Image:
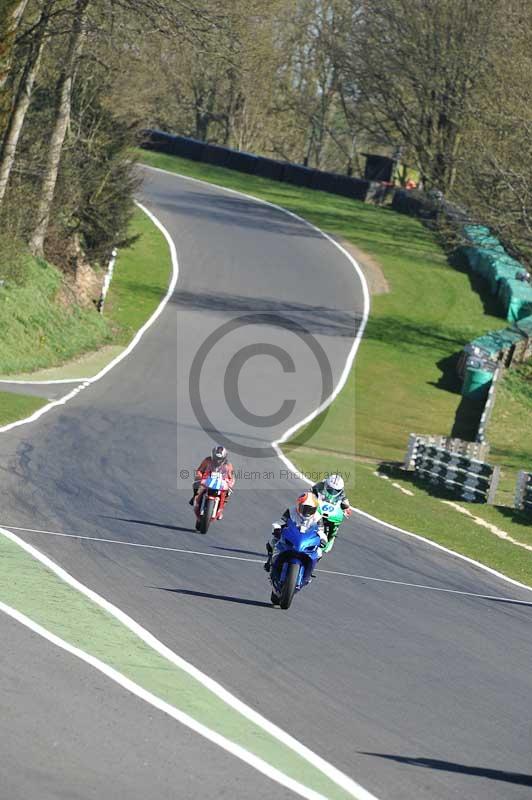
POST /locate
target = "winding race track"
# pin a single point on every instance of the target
(413, 692)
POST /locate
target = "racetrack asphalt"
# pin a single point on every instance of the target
(413, 693)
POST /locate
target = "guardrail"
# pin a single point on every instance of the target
(451, 464)
(523, 493)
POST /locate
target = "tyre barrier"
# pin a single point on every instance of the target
(287, 172)
(477, 451)
(523, 492)
(488, 407)
(465, 478)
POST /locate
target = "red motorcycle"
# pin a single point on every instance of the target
(210, 500)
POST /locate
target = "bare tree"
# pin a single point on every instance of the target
(61, 121)
(23, 97)
(10, 16)
(419, 65)
(495, 169)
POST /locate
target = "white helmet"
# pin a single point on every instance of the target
(334, 486)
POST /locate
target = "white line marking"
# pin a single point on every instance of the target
(261, 561)
(44, 383)
(334, 774)
(350, 359)
(488, 525)
(107, 280)
(402, 489)
(288, 433)
(231, 747)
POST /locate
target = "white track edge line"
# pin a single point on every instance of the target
(134, 688)
(343, 379)
(327, 769)
(320, 571)
(330, 771)
(133, 343)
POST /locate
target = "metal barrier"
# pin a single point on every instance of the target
(450, 464)
(523, 492)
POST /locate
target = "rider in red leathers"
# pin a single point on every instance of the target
(216, 462)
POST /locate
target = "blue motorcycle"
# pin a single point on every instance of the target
(294, 560)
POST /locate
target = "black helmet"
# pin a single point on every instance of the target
(219, 455)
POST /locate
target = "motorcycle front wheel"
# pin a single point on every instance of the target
(206, 516)
(289, 586)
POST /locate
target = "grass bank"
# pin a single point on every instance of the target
(404, 378)
(43, 341)
(36, 330)
(17, 406)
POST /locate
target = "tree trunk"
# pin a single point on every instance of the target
(9, 20)
(62, 119)
(22, 100)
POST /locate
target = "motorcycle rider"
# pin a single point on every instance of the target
(216, 462)
(305, 514)
(332, 490)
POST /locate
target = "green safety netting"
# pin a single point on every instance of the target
(516, 297)
(487, 258)
(494, 343)
(525, 326)
(477, 378)
(503, 267)
(482, 237)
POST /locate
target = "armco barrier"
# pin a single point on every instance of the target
(466, 478)
(523, 493)
(296, 174)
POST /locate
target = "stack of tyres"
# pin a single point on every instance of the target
(477, 378)
(516, 297)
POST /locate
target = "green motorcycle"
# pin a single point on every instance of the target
(333, 516)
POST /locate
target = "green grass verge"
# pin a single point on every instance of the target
(36, 331)
(32, 589)
(404, 377)
(140, 281)
(18, 406)
(44, 341)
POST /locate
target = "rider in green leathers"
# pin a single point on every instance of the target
(334, 505)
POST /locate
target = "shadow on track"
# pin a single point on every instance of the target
(208, 595)
(464, 769)
(237, 550)
(315, 319)
(151, 524)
